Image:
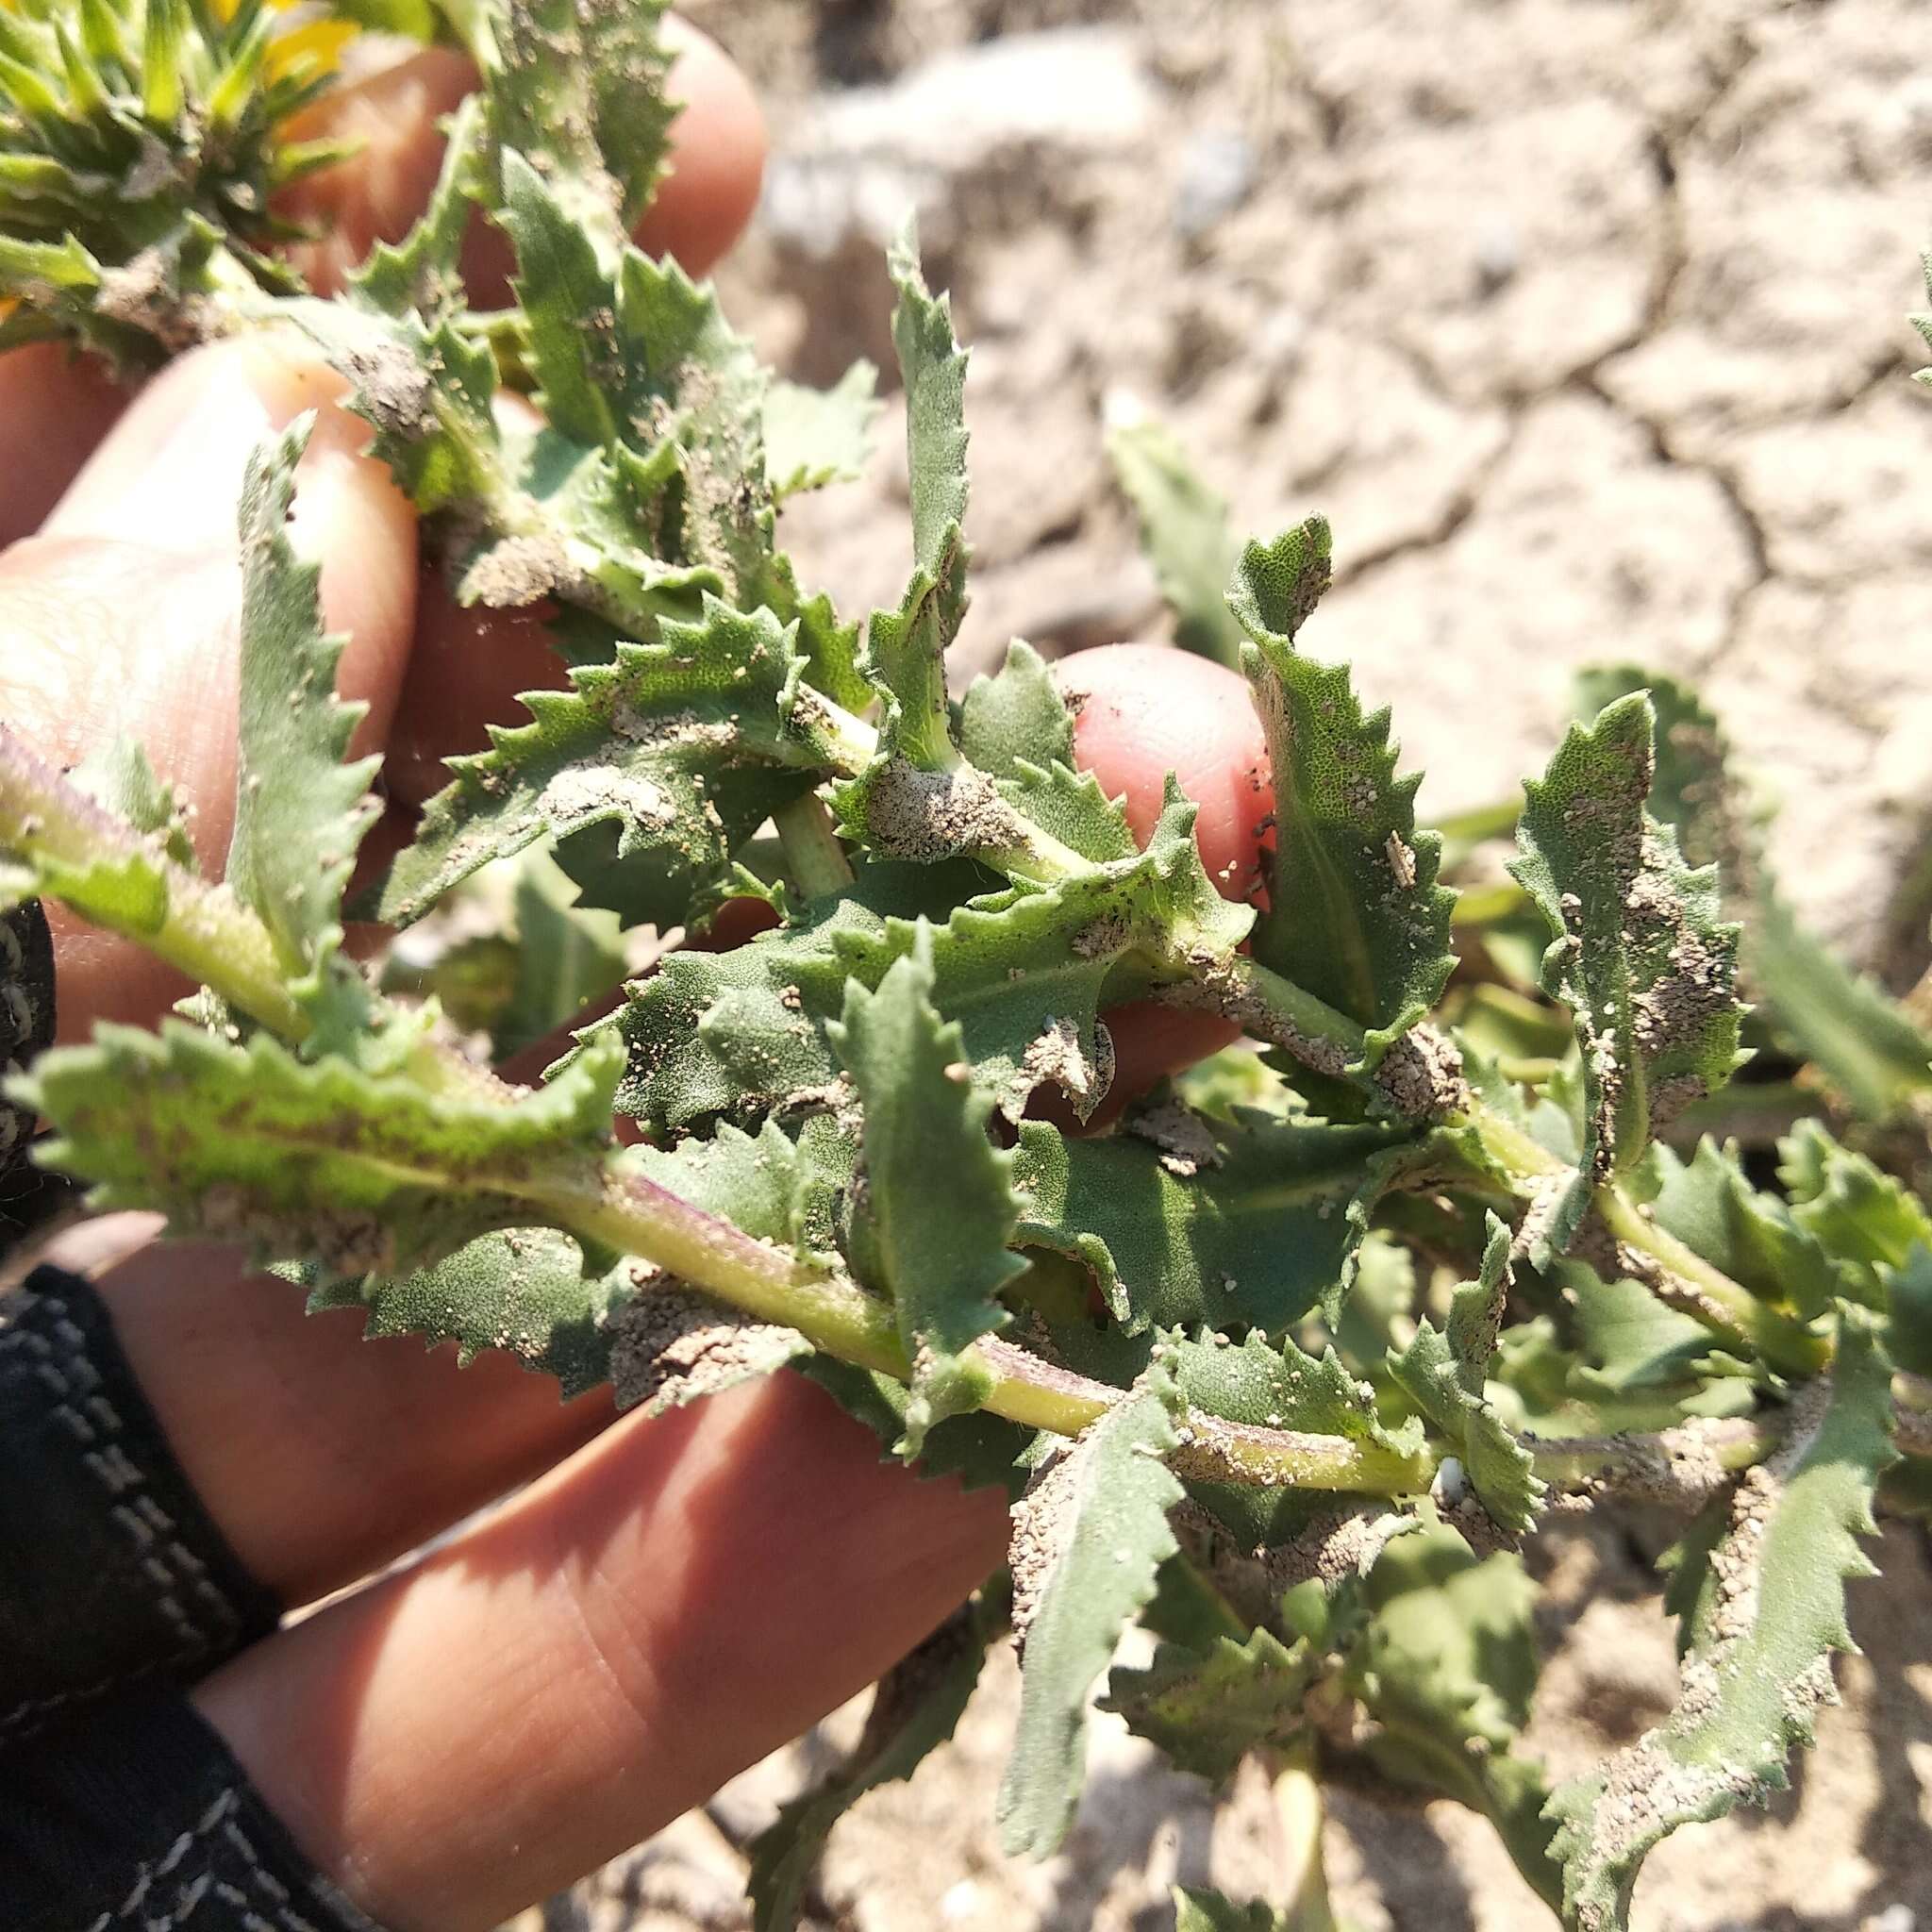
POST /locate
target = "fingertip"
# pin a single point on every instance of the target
(55, 408)
(718, 148)
(1143, 710)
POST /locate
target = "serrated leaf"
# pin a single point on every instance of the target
(680, 749)
(1186, 535)
(1446, 1383)
(1356, 914)
(1024, 972)
(1087, 1537)
(1265, 1385)
(577, 87)
(1264, 1228)
(1858, 1037)
(300, 812)
(1638, 952)
(1867, 1221)
(366, 1172)
(118, 776)
(523, 1290)
(1752, 1236)
(421, 274)
(915, 1709)
(1207, 1710)
(1016, 727)
(1692, 788)
(1768, 1612)
(942, 1258)
(819, 436)
(906, 648)
(1909, 1313)
(1446, 1665)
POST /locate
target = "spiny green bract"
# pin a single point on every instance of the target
(1282, 1359)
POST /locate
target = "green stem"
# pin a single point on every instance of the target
(1681, 1463)
(1678, 1275)
(204, 931)
(637, 1217)
(1298, 1809)
(813, 854)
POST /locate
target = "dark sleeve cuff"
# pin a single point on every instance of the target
(141, 1819)
(112, 1572)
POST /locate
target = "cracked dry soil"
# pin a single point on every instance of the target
(1583, 321)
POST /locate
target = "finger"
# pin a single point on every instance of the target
(321, 1455)
(682, 1596)
(55, 406)
(717, 163)
(122, 616)
(1141, 711)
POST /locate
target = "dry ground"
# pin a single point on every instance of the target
(1583, 321)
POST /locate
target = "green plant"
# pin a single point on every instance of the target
(1288, 1364)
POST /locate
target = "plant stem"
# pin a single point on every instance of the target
(1298, 1809)
(1682, 1465)
(813, 854)
(204, 930)
(1677, 1273)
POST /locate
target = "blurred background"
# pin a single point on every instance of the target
(1584, 323)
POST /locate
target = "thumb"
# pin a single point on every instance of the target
(122, 618)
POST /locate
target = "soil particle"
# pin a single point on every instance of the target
(1056, 1055)
(1042, 1523)
(929, 816)
(342, 1242)
(1422, 1074)
(1186, 1146)
(580, 791)
(518, 572)
(671, 1346)
(141, 296)
(393, 388)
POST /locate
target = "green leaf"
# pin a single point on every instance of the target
(1446, 1665)
(1209, 1911)
(1024, 972)
(814, 437)
(300, 812)
(905, 649)
(1859, 1038)
(1283, 1387)
(366, 1172)
(1088, 1537)
(915, 1709)
(577, 87)
(1017, 729)
(1446, 1383)
(563, 959)
(1189, 1222)
(1207, 1710)
(118, 776)
(1752, 1236)
(982, 1451)
(678, 751)
(524, 1289)
(1767, 1610)
(1356, 914)
(1909, 1308)
(942, 1258)
(421, 274)
(1638, 953)
(1868, 1223)
(1693, 790)
(1185, 532)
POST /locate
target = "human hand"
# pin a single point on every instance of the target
(664, 1601)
